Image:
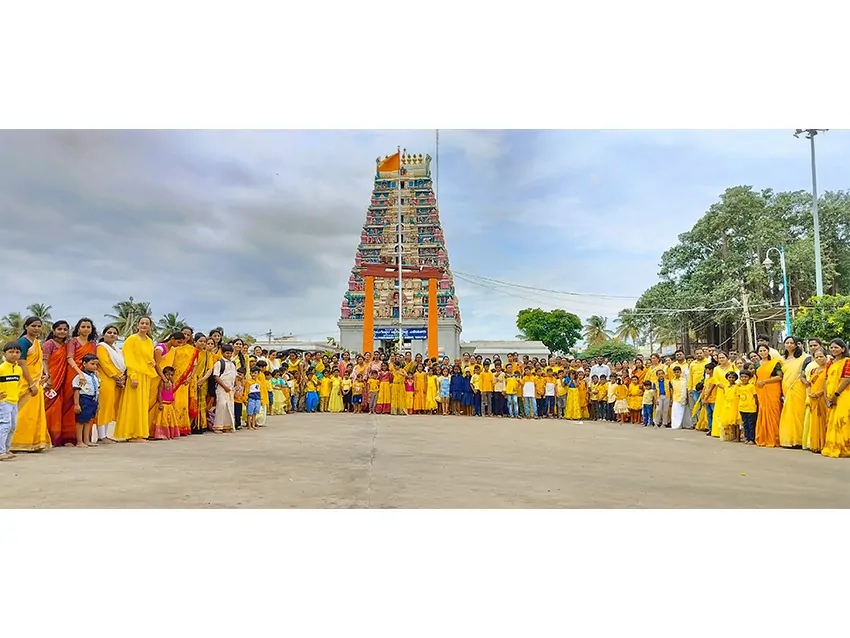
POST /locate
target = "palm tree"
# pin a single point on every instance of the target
(596, 330)
(629, 326)
(12, 325)
(171, 322)
(41, 311)
(126, 313)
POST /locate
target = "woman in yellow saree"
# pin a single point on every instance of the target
(722, 408)
(133, 421)
(198, 386)
(110, 371)
(31, 435)
(837, 439)
(769, 394)
(818, 412)
(794, 392)
(185, 359)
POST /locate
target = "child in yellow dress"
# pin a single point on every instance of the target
(324, 393)
(335, 395)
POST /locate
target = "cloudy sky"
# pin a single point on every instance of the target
(257, 230)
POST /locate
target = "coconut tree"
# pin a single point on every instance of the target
(127, 313)
(170, 322)
(11, 325)
(596, 330)
(40, 310)
(629, 326)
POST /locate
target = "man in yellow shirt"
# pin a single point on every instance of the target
(696, 373)
(486, 383)
(512, 383)
(10, 384)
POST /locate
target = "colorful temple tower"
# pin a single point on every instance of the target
(427, 279)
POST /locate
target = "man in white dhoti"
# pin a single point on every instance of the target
(678, 399)
(225, 379)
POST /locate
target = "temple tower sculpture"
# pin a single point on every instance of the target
(375, 271)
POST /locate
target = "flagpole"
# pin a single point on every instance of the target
(437, 167)
(400, 294)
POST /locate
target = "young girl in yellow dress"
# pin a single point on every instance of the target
(635, 399)
(432, 392)
(399, 397)
(420, 389)
(335, 397)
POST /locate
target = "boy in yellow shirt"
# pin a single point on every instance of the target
(540, 392)
(311, 393)
(512, 383)
(602, 398)
(486, 383)
(748, 406)
(374, 388)
(476, 389)
(561, 396)
(356, 394)
(11, 374)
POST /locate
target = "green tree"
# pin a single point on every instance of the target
(168, 323)
(43, 312)
(247, 339)
(612, 350)
(558, 329)
(596, 330)
(126, 315)
(828, 318)
(11, 326)
(630, 325)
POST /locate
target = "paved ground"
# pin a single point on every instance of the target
(324, 461)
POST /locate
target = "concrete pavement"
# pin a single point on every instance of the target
(365, 461)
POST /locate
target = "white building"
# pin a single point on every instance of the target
(487, 349)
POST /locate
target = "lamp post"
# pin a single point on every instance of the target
(810, 135)
(767, 263)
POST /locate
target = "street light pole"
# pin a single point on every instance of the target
(810, 134)
(767, 263)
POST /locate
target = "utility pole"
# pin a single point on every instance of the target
(269, 335)
(810, 134)
(745, 301)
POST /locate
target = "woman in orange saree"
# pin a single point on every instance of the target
(31, 434)
(55, 353)
(818, 412)
(83, 341)
(769, 393)
(185, 359)
(837, 439)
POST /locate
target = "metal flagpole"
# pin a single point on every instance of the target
(400, 297)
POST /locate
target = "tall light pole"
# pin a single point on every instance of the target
(810, 134)
(767, 263)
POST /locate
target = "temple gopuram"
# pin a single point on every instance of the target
(369, 317)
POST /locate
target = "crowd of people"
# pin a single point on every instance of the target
(77, 388)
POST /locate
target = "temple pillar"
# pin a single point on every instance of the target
(369, 315)
(433, 316)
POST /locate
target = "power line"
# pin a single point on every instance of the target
(535, 289)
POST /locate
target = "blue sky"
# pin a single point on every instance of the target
(257, 230)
